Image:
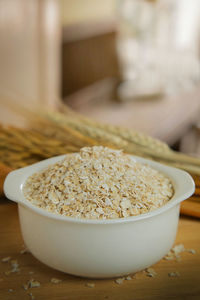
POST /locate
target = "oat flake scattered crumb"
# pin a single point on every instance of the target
(178, 249)
(174, 274)
(169, 257)
(55, 280)
(151, 272)
(119, 280)
(14, 266)
(24, 251)
(91, 285)
(191, 251)
(174, 253)
(10, 290)
(31, 296)
(32, 283)
(6, 259)
(98, 183)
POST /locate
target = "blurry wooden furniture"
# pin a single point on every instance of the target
(190, 144)
(29, 53)
(167, 118)
(88, 55)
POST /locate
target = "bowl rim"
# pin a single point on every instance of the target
(175, 175)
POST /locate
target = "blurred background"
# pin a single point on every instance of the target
(134, 63)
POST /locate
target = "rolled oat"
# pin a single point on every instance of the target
(151, 272)
(90, 284)
(174, 274)
(98, 183)
(119, 280)
(55, 280)
(191, 251)
(6, 259)
(32, 283)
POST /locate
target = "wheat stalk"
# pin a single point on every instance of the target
(53, 133)
(138, 144)
(125, 133)
(19, 147)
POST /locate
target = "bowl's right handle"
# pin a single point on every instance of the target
(186, 185)
(12, 185)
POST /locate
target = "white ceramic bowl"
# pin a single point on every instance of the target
(98, 248)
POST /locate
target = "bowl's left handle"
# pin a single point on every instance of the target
(12, 185)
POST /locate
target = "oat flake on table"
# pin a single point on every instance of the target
(98, 183)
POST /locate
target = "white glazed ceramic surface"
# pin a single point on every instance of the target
(99, 248)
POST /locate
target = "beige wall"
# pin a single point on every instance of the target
(74, 11)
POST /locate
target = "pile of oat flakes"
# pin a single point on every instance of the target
(98, 183)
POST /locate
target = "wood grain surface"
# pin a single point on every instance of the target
(71, 288)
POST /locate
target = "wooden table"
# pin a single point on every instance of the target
(187, 286)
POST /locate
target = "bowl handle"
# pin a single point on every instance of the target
(185, 185)
(14, 180)
(12, 185)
